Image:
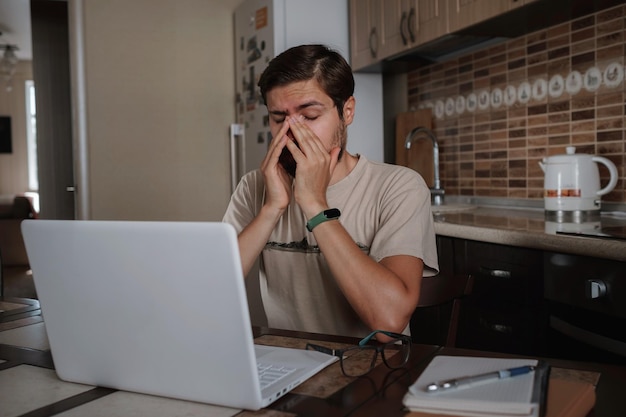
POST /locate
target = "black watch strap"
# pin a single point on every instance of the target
(324, 216)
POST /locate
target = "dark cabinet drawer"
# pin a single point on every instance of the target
(505, 310)
(512, 332)
(586, 304)
(504, 276)
(587, 283)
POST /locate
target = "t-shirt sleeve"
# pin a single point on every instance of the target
(406, 224)
(245, 201)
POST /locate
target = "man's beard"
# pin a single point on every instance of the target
(341, 138)
(289, 164)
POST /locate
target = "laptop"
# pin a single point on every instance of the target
(157, 308)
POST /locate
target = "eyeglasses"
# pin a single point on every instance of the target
(360, 359)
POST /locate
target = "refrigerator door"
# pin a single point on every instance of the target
(254, 48)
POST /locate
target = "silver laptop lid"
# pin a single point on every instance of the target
(152, 307)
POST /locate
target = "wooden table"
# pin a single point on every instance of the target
(29, 369)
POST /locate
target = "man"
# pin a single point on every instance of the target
(343, 242)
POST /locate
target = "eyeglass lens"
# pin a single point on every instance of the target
(395, 354)
(360, 360)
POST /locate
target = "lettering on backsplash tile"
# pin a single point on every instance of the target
(528, 91)
(498, 112)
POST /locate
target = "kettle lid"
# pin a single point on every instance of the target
(569, 156)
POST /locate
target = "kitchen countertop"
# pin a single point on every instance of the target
(522, 223)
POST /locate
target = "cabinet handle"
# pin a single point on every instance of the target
(496, 273)
(595, 288)
(373, 42)
(496, 327)
(403, 24)
(411, 24)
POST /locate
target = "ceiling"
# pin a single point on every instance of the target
(15, 26)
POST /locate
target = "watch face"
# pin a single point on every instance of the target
(332, 213)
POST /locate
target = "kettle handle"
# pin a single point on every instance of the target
(612, 170)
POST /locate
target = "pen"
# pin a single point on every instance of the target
(467, 381)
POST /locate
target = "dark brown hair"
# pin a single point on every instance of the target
(306, 62)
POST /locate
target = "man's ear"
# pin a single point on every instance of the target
(348, 110)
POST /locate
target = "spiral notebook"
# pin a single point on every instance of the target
(522, 395)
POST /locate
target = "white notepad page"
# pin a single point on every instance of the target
(509, 396)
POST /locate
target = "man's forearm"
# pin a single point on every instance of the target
(383, 294)
(254, 236)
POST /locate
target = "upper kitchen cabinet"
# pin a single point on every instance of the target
(408, 23)
(413, 31)
(465, 13)
(431, 20)
(365, 32)
(397, 26)
(380, 29)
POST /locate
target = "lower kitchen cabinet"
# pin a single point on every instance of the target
(504, 311)
(532, 302)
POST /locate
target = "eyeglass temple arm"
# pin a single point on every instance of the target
(370, 336)
(326, 350)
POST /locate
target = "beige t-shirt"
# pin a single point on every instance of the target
(386, 210)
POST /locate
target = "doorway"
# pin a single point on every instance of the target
(51, 74)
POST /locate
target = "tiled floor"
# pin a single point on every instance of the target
(122, 404)
(27, 388)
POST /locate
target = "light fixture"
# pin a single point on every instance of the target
(8, 63)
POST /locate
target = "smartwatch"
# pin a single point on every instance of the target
(326, 215)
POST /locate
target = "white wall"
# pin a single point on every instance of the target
(365, 134)
(158, 100)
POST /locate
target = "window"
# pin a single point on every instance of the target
(31, 145)
(31, 136)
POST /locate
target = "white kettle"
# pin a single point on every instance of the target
(572, 181)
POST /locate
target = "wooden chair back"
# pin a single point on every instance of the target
(439, 307)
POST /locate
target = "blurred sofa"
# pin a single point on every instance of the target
(12, 212)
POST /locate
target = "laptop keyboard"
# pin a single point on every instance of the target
(269, 374)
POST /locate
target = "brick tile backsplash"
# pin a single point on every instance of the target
(497, 112)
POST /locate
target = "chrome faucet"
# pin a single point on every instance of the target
(437, 193)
